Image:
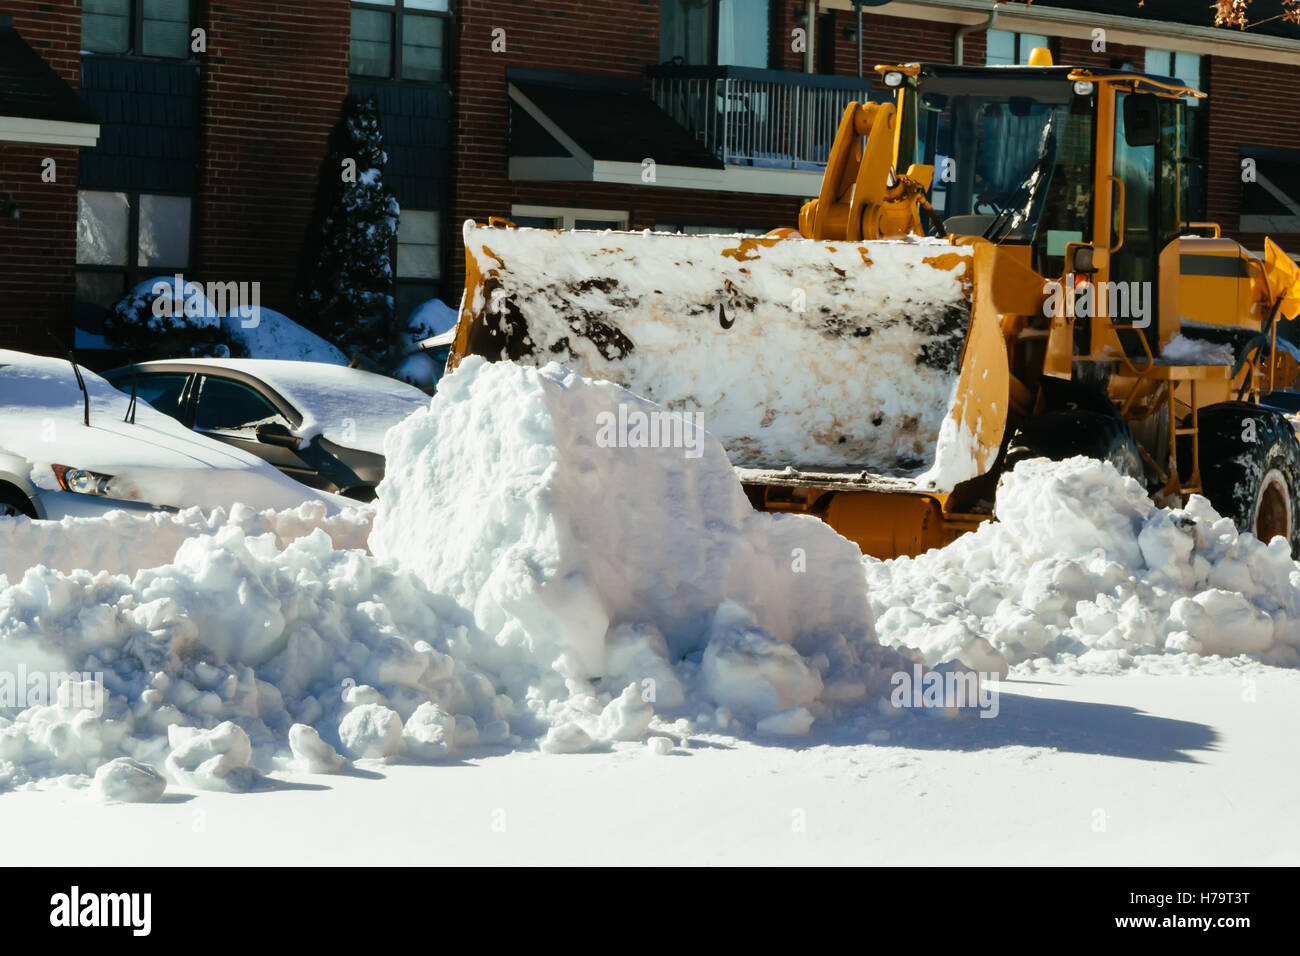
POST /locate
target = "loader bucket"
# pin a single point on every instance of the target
(825, 356)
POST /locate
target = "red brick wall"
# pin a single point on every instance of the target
(274, 78)
(38, 251)
(1251, 103)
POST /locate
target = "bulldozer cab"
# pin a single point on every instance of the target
(1080, 172)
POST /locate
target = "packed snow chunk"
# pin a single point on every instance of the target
(752, 673)
(127, 781)
(65, 736)
(795, 722)
(1223, 623)
(216, 759)
(312, 754)
(1083, 569)
(371, 730)
(659, 746)
(429, 733)
(627, 716)
(591, 554)
(566, 739)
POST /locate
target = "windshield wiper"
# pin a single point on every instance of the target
(81, 382)
(129, 417)
(1006, 220)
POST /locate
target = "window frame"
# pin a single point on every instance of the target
(1196, 127)
(568, 215)
(772, 50)
(135, 47)
(1019, 54)
(133, 272)
(397, 11)
(435, 283)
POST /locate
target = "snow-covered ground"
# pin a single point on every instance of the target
(1129, 770)
(559, 648)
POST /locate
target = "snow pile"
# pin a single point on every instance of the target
(268, 334)
(528, 587)
(204, 666)
(838, 354)
(1083, 569)
(123, 542)
(592, 569)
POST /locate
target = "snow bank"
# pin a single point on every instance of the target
(604, 564)
(1081, 568)
(268, 334)
(528, 587)
(124, 542)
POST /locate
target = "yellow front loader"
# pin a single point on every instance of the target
(998, 266)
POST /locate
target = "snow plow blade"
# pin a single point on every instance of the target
(855, 358)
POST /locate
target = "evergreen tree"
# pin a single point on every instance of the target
(346, 293)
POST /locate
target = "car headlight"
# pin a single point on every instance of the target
(80, 481)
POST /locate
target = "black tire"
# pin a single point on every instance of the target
(14, 503)
(1065, 434)
(1255, 482)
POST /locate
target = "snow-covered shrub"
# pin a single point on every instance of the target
(158, 319)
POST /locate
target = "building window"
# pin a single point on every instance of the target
(1013, 49)
(1187, 67)
(706, 230)
(400, 39)
(419, 259)
(125, 238)
(714, 32)
(562, 217)
(158, 28)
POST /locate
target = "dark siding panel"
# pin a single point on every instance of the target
(417, 135)
(149, 137)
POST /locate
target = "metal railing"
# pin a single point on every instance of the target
(762, 118)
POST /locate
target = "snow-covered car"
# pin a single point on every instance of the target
(320, 424)
(65, 450)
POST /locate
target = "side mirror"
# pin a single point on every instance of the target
(273, 433)
(1141, 119)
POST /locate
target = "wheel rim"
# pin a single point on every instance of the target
(1273, 508)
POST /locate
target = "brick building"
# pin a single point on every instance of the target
(213, 118)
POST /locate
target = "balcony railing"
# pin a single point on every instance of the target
(761, 118)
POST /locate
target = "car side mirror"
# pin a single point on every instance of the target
(1141, 119)
(273, 433)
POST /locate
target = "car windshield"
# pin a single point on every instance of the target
(1012, 159)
